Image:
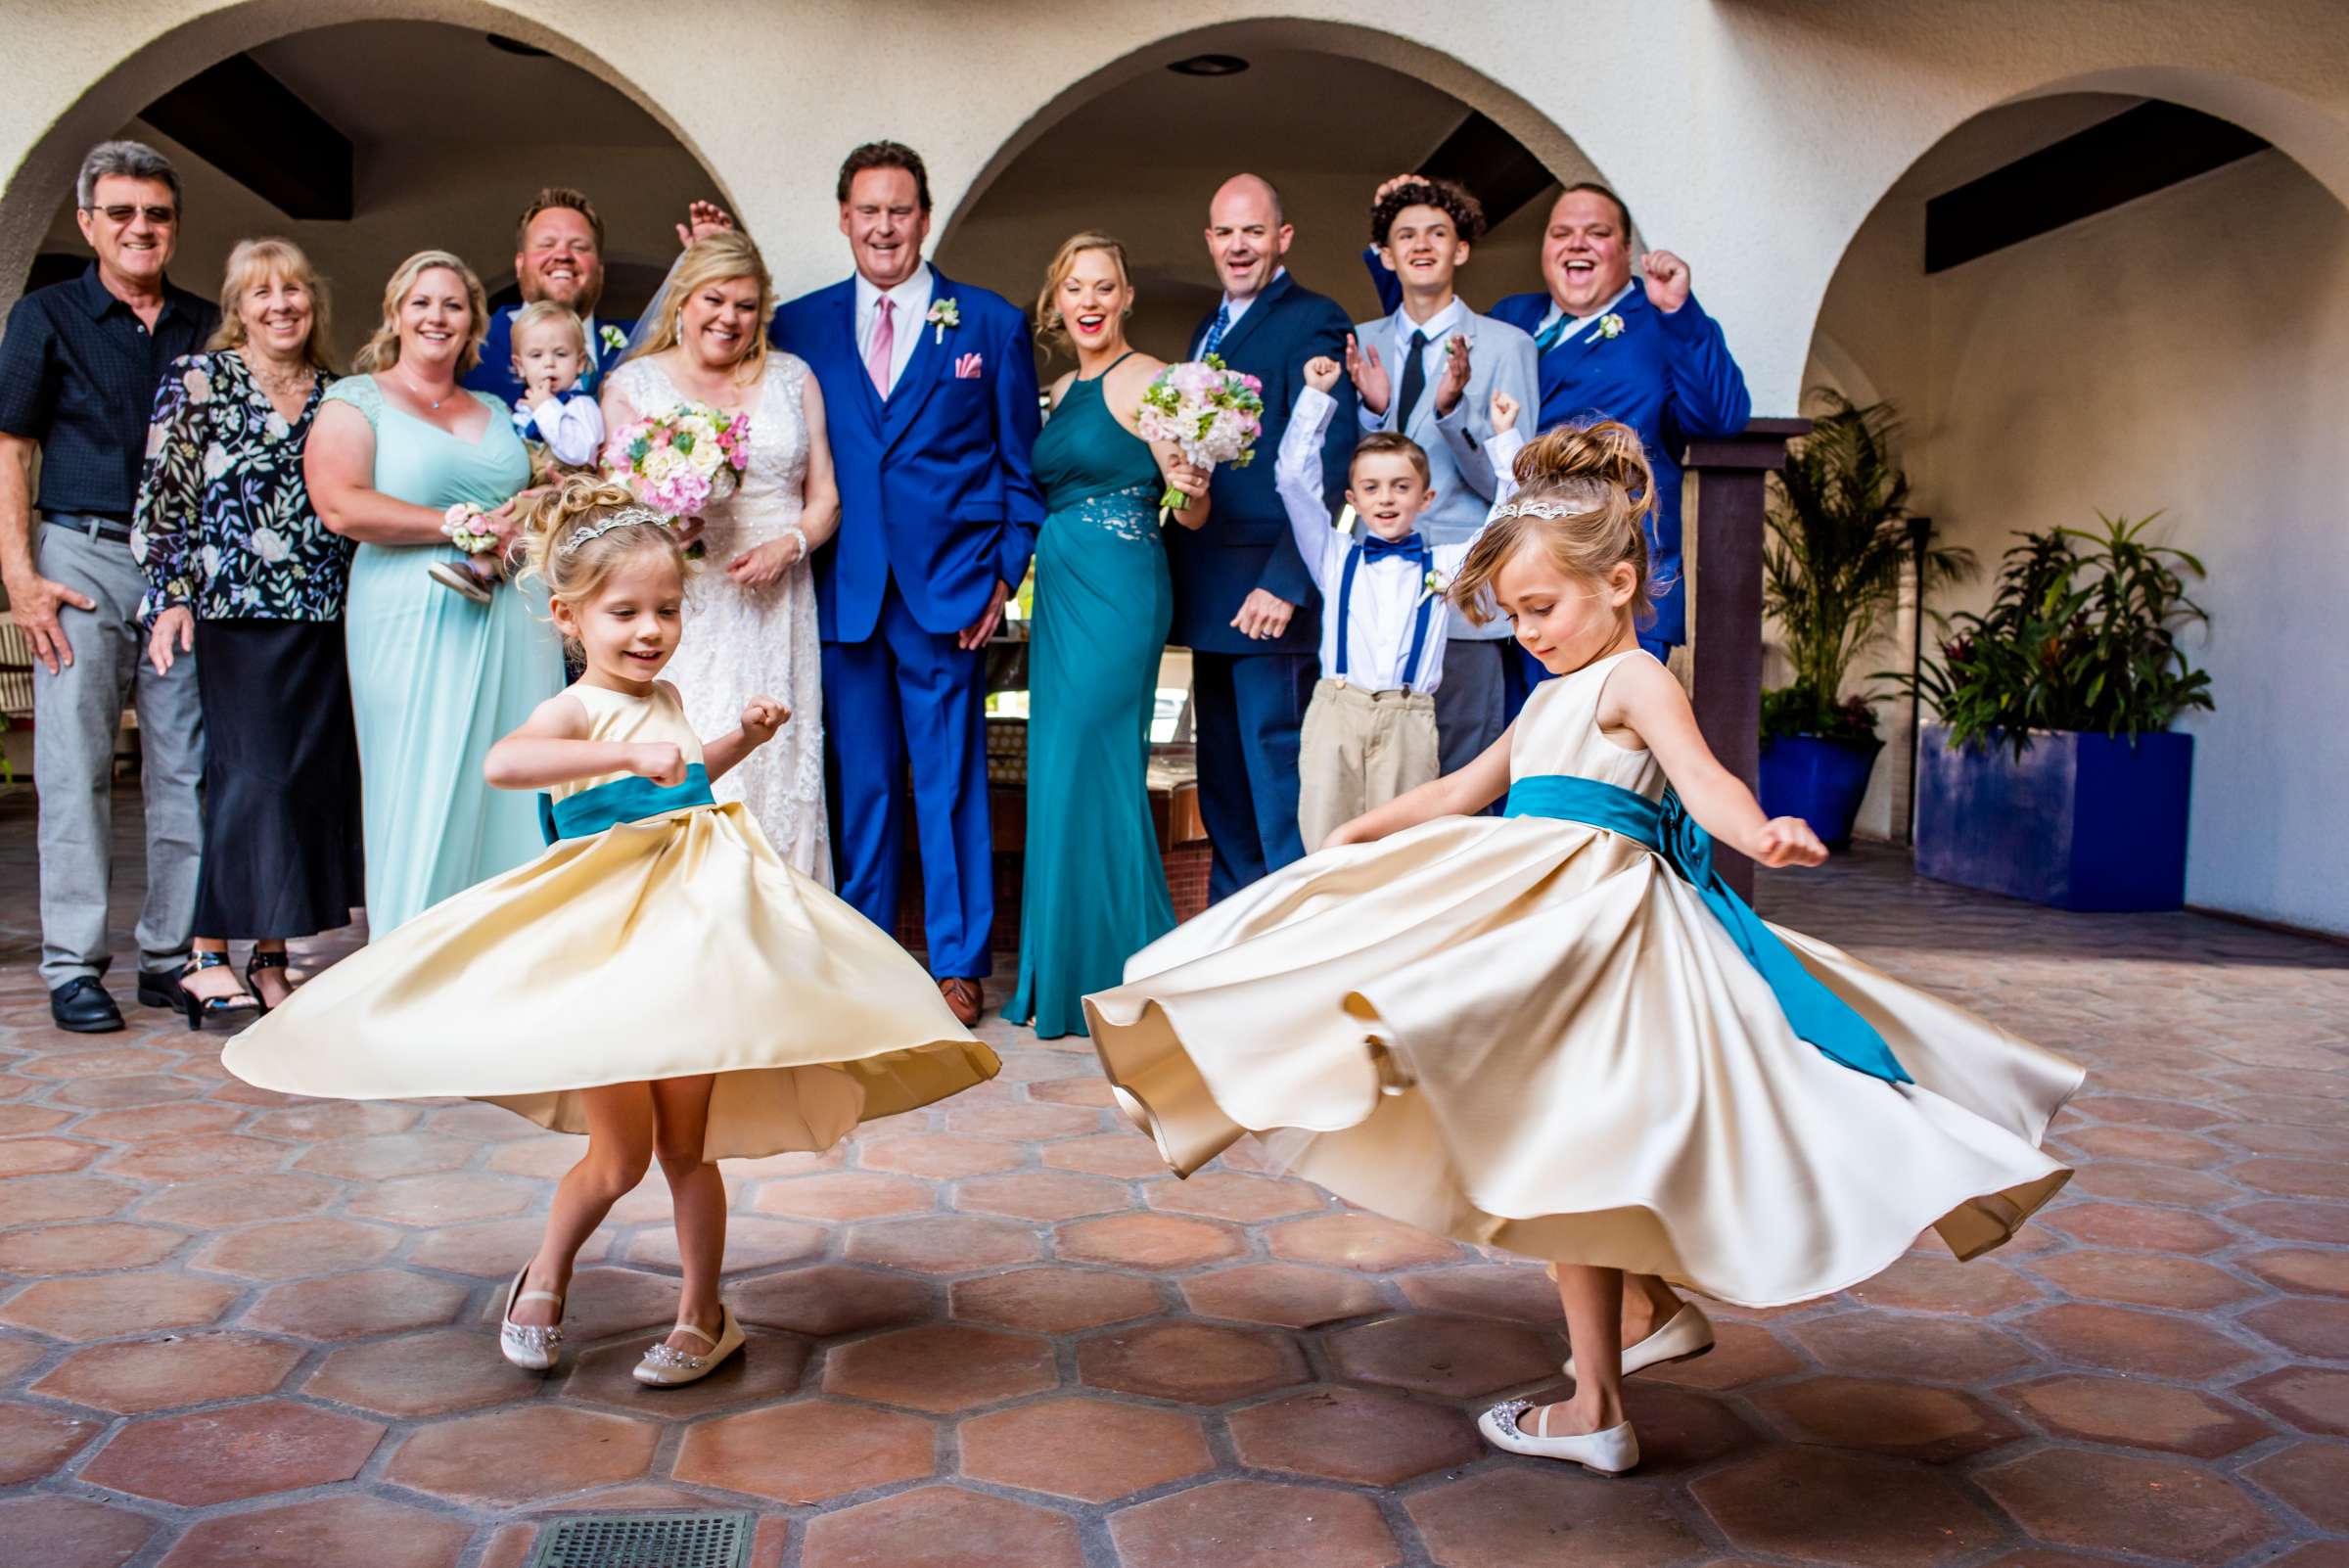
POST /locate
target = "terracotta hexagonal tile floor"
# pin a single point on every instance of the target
(995, 1330)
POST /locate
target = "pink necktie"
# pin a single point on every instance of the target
(884, 344)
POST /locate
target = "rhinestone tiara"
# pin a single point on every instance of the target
(1550, 509)
(626, 517)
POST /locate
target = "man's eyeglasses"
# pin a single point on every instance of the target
(159, 217)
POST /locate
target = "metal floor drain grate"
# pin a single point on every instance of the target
(646, 1540)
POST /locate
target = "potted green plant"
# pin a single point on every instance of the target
(1831, 568)
(2052, 774)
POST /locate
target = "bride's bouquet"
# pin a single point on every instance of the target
(1213, 413)
(680, 462)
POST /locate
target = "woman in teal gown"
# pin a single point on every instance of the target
(435, 677)
(1096, 889)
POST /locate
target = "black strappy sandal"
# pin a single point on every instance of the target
(201, 1008)
(264, 960)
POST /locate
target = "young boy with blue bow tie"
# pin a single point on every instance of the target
(1370, 730)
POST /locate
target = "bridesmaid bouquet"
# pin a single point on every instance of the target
(1213, 413)
(680, 462)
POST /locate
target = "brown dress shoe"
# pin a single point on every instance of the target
(962, 1000)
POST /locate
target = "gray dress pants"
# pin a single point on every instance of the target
(75, 713)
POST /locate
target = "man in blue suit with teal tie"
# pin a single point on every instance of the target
(1243, 599)
(929, 392)
(1640, 352)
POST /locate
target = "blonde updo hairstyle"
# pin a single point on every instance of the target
(1049, 328)
(574, 573)
(718, 258)
(1599, 474)
(380, 351)
(250, 264)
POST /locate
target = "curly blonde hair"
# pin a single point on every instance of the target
(1049, 328)
(718, 258)
(1600, 474)
(380, 351)
(577, 534)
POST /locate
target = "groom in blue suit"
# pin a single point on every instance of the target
(931, 392)
(1243, 599)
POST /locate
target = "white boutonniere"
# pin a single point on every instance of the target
(1433, 586)
(944, 313)
(612, 337)
(1609, 325)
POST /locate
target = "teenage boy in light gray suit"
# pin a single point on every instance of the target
(1430, 371)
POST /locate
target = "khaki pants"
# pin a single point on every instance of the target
(1360, 748)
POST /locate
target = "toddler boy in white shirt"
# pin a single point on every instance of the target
(1370, 730)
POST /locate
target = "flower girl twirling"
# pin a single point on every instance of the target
(658, 978)
(1559, 1031)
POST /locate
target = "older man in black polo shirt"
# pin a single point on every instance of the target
(78, 368)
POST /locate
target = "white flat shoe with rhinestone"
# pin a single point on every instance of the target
(533, 1348)
(664, 1367)
(1686, 1335)
(1608, 1453)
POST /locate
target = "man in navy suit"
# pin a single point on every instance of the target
(1641, 353)
(1242, 595)
(930, 387)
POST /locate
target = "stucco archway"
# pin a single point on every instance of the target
(117, 93)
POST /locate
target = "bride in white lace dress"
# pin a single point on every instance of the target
(750, 620)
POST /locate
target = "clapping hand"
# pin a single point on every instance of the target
(701, 219)
(662, 761)
(1788, 841)
(1370, 376)
(1501, 411)
(1665, 276)
(761, 716)
(1454, 379)
(1321, 373)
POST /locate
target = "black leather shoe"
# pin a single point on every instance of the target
(159, 987)
(82, 1007)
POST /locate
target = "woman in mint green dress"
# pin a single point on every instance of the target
(1095, 890)
(435, 677)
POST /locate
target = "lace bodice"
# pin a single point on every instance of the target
(1558, 733)
(772, 490)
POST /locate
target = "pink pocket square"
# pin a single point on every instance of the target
(968, 367)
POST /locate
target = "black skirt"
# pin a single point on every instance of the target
(282, 847)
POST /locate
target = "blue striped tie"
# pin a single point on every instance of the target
(1215, 331)
(1547, 338)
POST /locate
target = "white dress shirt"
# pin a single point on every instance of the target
(1575, 325)
(1385, 606)
(1438, 329)
(1238, 308)
(909, 310)
(570, 425)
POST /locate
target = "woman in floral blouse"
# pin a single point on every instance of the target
(244, 577)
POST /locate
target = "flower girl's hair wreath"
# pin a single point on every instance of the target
(1585, 495)
(576, 534)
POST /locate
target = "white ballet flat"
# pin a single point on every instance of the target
(664, 1367)
(1686, 1335)
(531, 1348)
(1608, 1453)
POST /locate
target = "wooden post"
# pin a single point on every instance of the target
(1721, 550)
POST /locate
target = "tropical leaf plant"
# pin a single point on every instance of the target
(2082, 635)
(1832, 565)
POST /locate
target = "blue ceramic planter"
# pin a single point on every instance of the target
(1820, 780)
(2080, 821)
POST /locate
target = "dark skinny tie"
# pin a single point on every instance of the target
(1414, 381)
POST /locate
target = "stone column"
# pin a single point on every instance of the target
(1721, 550)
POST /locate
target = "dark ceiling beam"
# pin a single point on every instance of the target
(1493, 164)
(2136, 153)
(252, 127)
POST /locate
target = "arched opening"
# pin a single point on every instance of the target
(1326, 113)
(439, 141)
(2067, 330)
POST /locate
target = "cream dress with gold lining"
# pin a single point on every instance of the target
(1530, 1032)
(662, 948)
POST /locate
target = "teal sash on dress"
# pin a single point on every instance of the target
(624, 800)
(1817, 1014)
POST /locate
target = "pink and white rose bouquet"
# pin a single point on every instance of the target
(1213, 413)
(679, 463)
